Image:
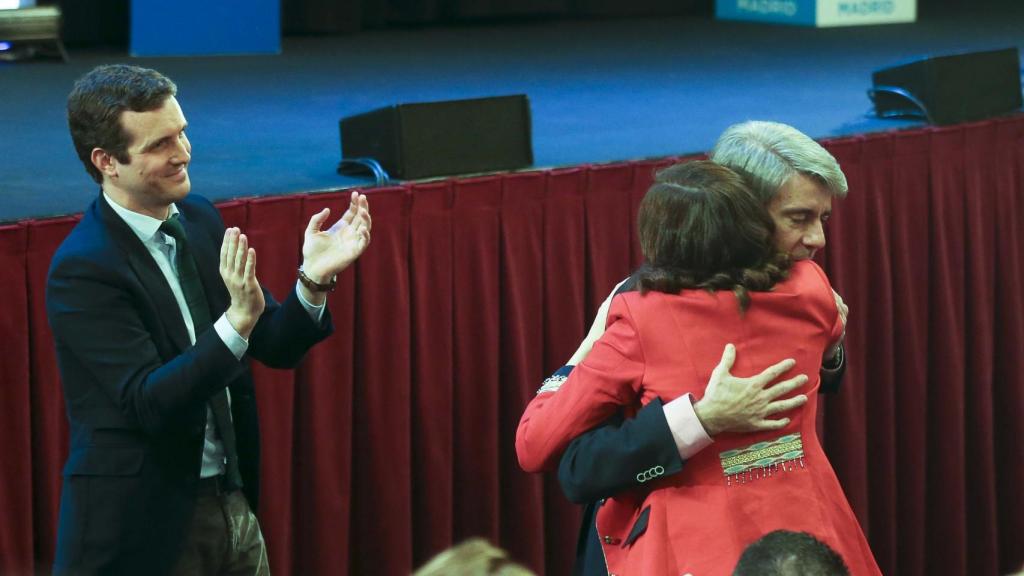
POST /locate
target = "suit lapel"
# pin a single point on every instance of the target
(148, 273)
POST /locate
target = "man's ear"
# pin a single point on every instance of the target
(104, 162)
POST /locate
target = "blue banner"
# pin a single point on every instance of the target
(194, 27)
(800, 12)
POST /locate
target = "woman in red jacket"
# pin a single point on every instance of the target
(711, 277)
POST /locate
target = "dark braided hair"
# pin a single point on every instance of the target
(701, 227)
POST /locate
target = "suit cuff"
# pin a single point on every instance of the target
(836, 362)
(316, 313)
(686, 428)
(231, 338)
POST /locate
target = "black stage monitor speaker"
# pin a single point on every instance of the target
(951, 88)
(428, 139)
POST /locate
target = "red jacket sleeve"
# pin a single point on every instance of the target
(609, 377)
(836, 320)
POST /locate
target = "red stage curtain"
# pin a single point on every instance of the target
(431, 366)
(394, 439)
(16, 532)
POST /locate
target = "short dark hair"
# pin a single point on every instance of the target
(97, 101)
(701, 227)
(786, 553)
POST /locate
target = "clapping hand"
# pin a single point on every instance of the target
(326, 253)
(238, 270)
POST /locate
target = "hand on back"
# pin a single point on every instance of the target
(732, 404)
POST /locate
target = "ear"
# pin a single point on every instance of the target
(104, 162)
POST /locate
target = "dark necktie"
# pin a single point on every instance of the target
(195, 298)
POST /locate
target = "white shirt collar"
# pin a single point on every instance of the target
(145, 227)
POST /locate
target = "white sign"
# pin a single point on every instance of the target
(12, 4)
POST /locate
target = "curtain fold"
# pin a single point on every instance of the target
(46, 403)
(1008, 391)
(16, 490)
(522, 354)
(910, 251)
(431, 270)
(381, 505)
(476, 354)
(945, 452)
(394, 439)
(980, 195)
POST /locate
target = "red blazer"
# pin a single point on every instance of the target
(743, 486)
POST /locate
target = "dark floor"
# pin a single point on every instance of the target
(600, 91)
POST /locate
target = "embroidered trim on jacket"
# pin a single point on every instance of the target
(552, 383)
(763, 459)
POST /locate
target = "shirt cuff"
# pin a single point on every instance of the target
(316, 313)
(231, 338)
(686, 428)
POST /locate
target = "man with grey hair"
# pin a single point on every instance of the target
(796, 179)
(793, 175)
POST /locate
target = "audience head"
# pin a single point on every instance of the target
(701, 227)
(474, 557)
(785, 553)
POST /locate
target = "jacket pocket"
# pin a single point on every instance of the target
(106, 461)
(639, 527)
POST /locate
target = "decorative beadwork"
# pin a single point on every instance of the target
(762, 460)
(552, 383)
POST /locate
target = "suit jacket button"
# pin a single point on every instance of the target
(610, 540)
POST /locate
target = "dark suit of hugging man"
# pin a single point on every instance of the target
(155, 310)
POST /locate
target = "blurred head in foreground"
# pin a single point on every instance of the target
(474, 557)
(785, 553)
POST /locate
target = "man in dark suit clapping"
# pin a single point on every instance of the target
(155, 310)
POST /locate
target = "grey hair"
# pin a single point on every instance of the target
(769, 153)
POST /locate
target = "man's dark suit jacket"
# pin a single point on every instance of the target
(136, 389)
(607, 460)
